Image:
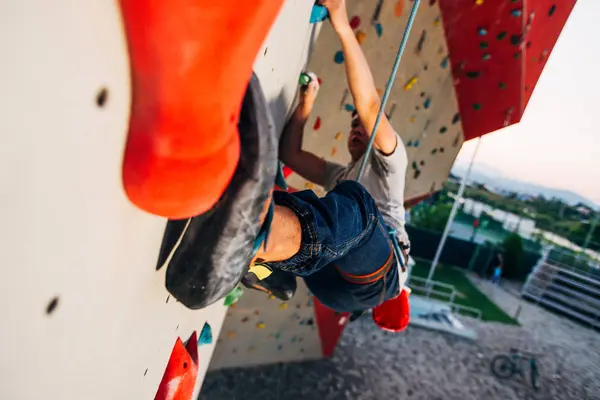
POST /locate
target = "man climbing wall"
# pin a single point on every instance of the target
(385, 172)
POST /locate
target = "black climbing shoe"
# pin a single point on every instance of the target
(280, 284)
(217, 246)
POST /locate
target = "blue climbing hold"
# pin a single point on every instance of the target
(427, 103)
(379, 29)
(417, 143)
(482, 31)
(318, 14)
(349, 107)
(339, 57)
(205, 335)
(516, 12)
(409, 144)
(444, 63)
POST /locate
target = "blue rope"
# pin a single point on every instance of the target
(388, 88)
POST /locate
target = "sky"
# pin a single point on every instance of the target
(557, 142)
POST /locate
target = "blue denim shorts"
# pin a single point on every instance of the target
(342, 234)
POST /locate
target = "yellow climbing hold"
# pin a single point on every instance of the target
(261, 325)
(231, 334)
(283, 306)
(411, 82)
(271, 297)
(479, 2)
(261, 271)
(436, 22)
(361, 37)
(309, 185)
(338, 136)
(379, 92)
(412, 119)
(333, 151)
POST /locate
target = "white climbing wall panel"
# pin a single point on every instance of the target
(85, 315)
(422, 115)
(260, 329)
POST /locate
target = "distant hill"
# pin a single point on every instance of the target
(493, 178)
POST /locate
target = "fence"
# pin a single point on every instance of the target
(466, 254)
(442, 292)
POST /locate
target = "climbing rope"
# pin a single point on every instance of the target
(386, 95)
(388, 87)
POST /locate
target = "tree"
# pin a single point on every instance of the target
(513, 256)
(432, 217)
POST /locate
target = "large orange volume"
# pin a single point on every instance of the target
(190, 63)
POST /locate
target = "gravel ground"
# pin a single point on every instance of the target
(424, 365)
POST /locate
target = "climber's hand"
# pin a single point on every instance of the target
(337, 13)
(308, 94)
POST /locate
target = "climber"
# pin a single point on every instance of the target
(383, 179)
(339, 244)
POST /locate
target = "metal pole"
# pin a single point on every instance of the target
(457, 200)
(590, 232)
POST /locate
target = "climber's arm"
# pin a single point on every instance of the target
(360, 79)
(306, 164)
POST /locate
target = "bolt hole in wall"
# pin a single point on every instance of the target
(185, 365)
(52, 305)
(102, 97)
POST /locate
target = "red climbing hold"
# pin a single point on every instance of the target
(355, 22)
(182, 148)
(393, 315)
(320, 81)
(180, 375)
(317, 124)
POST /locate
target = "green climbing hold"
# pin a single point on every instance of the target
(434, 151)
(552, 10)
(486, 56)
(233, 296)
(501, 35)
(476, 106)
(304, 79)
(483, 45)
(443, 129)
(515, 39)
(472, 74)
(205, 335)
(502, 85)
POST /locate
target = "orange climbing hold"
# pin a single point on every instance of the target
(333, 151)
(309, 185)
(361, 37)
(338, 136)
(182, 147)
(399, 8)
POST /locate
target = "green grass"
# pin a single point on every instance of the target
(468, 294)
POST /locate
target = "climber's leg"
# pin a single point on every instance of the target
(345, 254)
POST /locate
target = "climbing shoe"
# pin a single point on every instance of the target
(278, 283)
(216, 247)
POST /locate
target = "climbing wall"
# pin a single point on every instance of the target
(85, 312)
(498, 51)
(422, 105)
(261, 329)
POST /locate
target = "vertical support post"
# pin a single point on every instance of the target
(457, 200)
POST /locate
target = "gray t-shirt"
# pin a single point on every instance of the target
(384, 178)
